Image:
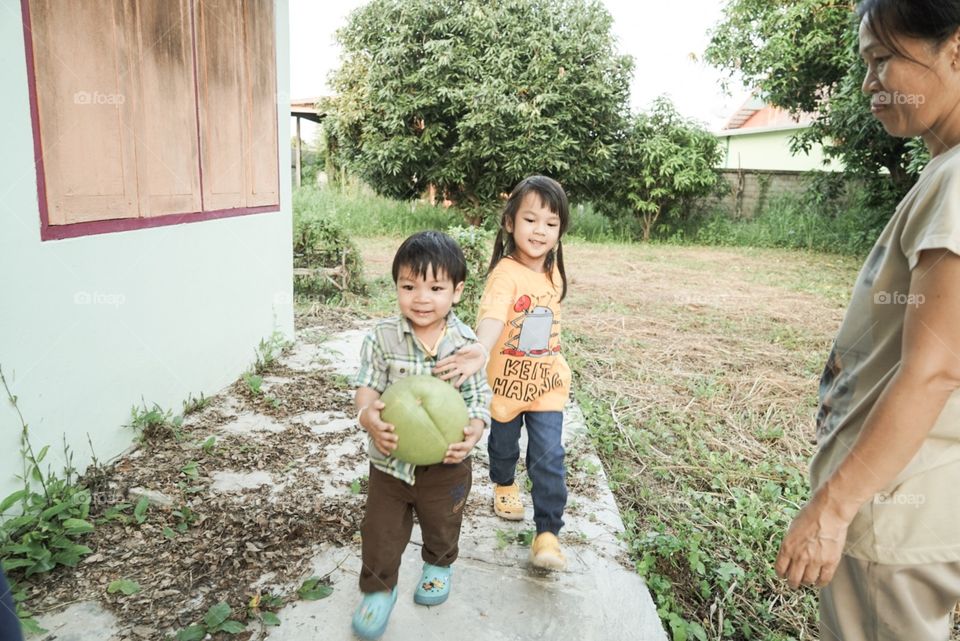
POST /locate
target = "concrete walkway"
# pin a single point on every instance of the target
(496, 594)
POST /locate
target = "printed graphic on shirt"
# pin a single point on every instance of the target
(838, 382)
(835, 390)
(530, 336)
(532, 329)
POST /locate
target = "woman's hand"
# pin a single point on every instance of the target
(464, 363)
(382, 433)
(459, 451)
(811, 550)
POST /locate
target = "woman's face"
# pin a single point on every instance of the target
(916, 94)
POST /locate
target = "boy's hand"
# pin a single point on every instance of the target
(459, 451)
(382, 433)
(461, 365)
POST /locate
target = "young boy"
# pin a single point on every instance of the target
(429, 271)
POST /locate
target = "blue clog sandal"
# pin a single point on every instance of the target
(372, 615)
(434, 587)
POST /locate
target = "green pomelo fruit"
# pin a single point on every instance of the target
(429, 414)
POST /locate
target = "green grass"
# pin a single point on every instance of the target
(839, 224)
(361, 212)
(588, 224)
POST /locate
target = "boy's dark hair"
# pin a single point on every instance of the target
(932, 20)
(555, 199)
(431, 250)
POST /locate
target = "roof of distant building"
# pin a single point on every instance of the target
(755, 114)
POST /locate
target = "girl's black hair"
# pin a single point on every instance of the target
(431, 250)
(553, 198)
(933, 20)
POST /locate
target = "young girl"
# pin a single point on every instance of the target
(519, 327)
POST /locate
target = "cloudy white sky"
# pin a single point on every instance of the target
(666, 40)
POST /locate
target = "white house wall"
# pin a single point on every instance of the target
(769, 150)
(90, 326)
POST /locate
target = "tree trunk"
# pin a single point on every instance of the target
(649, 220)
(472, 210)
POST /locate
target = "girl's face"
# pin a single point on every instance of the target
(535, 230)
(917, 97)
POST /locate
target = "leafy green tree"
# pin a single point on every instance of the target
(664, 162)
(470, 96)
(801, 55)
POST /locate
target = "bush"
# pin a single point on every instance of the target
(589, 224)
(663, 162)
(476, 246)
(323, 246)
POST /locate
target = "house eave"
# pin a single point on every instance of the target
(724, 133)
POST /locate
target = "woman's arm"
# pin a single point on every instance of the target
(894, 430)
(470, 359)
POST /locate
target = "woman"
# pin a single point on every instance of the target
(882, 529)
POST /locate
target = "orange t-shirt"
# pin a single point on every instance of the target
(527, 370)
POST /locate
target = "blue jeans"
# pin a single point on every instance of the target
(9, 623)
(544, 463)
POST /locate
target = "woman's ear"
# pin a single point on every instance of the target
(955, 50)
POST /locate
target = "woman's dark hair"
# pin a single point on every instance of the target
(428, 250)
(553, 198)
(933, 20)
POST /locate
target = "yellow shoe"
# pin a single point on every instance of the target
(506, 502)
(546, 552)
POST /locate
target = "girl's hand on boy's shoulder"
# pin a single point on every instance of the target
(382, 433)
(459, 451)
(462, 364)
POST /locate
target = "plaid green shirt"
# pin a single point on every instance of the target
(391, 352)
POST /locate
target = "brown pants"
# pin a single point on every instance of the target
(869, 601)
(438, 496)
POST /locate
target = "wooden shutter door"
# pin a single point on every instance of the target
(168, 157)
(85, 109)
(220, 75)
(263, 180)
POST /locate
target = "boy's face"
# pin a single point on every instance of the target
(425, 302)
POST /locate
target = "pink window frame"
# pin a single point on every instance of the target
(93, 227)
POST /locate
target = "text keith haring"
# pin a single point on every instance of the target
(525, 380)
